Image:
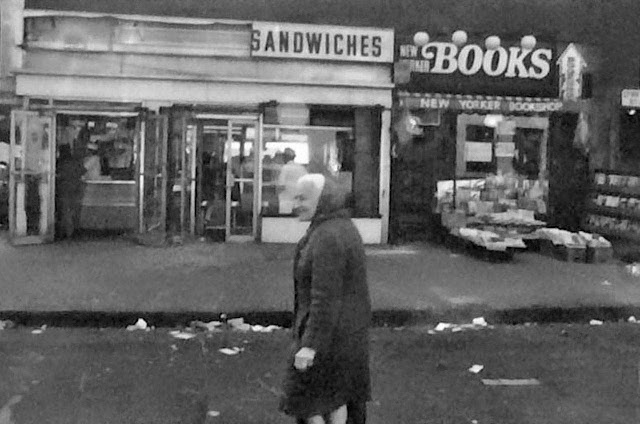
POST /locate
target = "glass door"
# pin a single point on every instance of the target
(152, 180)
(241, 156)
(228, 174)
(31, 178)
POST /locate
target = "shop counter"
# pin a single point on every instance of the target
(289, 229)
(109, 205)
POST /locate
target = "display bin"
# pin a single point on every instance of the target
(563, 252)
(547, 248)
(599, 254)
(571, 253)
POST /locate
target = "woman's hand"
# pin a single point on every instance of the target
(304, 358)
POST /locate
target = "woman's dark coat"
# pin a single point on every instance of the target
(332, 313)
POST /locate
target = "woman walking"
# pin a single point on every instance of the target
(328, 377)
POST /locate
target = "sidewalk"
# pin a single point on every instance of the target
(117, 278)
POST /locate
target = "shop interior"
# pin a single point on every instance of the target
(288, 152)
(105, 145)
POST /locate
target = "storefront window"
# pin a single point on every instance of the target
(479, 149)
(290, 152)
(629, 140)
(106, 144)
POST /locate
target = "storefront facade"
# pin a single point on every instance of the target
(481, 129)
(193, 121)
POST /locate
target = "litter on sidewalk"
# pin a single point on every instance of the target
(262, 329)
(212, 326)
(511, 382)
(633, 269)
(183, 335)
(139, 325)
(595, 322)
(632, 319)
(39, 330)
(476, 324)
(6, 324)
(232, 351)
(238, 324)
(476, 368)
(213, 414)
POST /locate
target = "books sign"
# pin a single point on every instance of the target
(321, 42)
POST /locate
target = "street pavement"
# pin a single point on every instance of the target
(572, 373)
(114, 279)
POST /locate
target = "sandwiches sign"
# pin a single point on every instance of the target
(301, 41)
(473, 69)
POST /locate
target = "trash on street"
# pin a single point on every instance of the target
(238, 324)
(511, 382)
(480, 321)
(263, 329)
(139, 325)
(606, 283)
(182, 335)
(476, 324)
(632, 319)
(211, 326)
(39, 330)
(595, 322)
(213, 414)
(476, 368)
(443, 326)
(633, 269)
(232, 351)
(6, 324)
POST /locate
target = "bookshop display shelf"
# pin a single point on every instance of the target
(614, 206)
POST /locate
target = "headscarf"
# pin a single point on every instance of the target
(332, 203)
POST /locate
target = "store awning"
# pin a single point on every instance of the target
(484, 104)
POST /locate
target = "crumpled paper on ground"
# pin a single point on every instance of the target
(212, 326)
(6, 324)
(183, 335)
(476, 324)
(231, 351)
(39, 330)
(139, 325)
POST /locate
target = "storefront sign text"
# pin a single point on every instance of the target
(488, 105)
(301, 41)
(471, 59)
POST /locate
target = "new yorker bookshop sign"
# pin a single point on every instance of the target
(510, 70)
(302, 41)
(488, 104)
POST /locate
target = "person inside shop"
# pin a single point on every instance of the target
(289, 175)
(526, 160)
(93, 163)
(69, 191)
(119, 159)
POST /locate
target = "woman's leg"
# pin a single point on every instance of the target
(357, 412)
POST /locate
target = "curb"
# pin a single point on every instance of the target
(381, 318)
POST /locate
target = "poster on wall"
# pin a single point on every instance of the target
(475, 151)
(505, 149)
